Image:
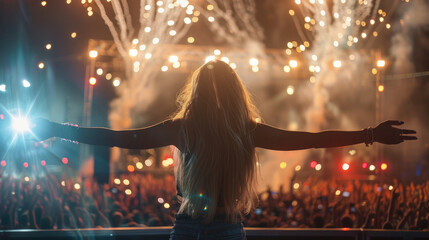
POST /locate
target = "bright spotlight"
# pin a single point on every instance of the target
(2, 87)
(20, 124)
(345, 166)
(26, 83)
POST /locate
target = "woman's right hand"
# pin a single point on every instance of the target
(387, 134)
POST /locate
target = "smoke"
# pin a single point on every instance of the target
(398, 101)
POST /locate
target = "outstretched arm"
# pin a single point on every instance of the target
(159, 135)
(278, 139)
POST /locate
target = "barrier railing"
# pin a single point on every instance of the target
(252, 233)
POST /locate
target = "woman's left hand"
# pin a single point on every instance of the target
(387, 134)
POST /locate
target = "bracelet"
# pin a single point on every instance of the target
(369, 136)
(69, 132)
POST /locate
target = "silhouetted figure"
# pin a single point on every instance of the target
(215, 132)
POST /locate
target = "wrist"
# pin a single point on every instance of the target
(369, 136)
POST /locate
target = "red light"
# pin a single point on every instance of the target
(383, 166)
(1, 116)
(92, 81)
(346, 166)
(3, 163)
(43, 162)
(26, 164)
(65, 160)
(313, 164)
(131, 168)
(36, 144)
(364, 165)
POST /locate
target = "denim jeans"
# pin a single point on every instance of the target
(186, 228)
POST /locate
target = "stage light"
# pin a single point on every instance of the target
(43, 163)
(290, 90)
(117, 181)
(2, 87)
(148, 162)
(209, 58)
(20, 124)
(131, 168)
(48, 46)
(345, 166)
(176, 64)
(26, 83)
(253, 61)
(133, 52)
(65, 160)
(161, 200)
(116, 82)
(99, 71)
(318, 167)
(92, 81)
(225, 59)
(41, 65)
(108, 76)
(139, 165)
(173, 58)
(364, 165)
(77, 186)
(93, 54)
(128, 192)
(338, 192)
(381, 88)
(126, 182)
(371, 167)
(296, 186)
(166, 205)
(283, 165)
(383, 166)
(63, 183)
(3, 163)
(337, 63)
(73, 35)
(217, 52)
(25, 164)
(297, 168)
(313, 164)
(293, 63)
(381, 63)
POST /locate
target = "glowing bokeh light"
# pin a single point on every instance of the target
(117, 181)
(93, 54)
(126, 182)
(65, 160)
(26, 83)
(92, 81)
(20, 124)
(383, 166)
(43, 163)
(131, 168)
(345, 166)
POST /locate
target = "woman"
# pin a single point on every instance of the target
(215, 132)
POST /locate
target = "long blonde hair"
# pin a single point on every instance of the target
(217, 163)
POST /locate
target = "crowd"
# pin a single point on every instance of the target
(138, 200)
